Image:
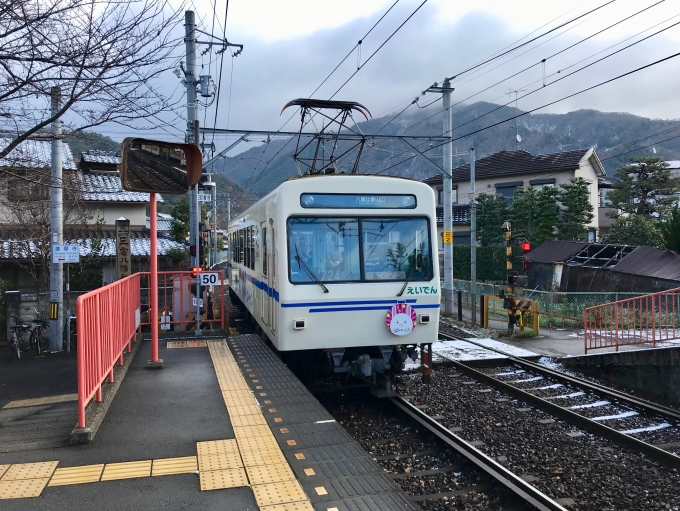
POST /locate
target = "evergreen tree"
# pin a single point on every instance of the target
(635, 230)
(645, 187)
(534, 215)
(179, 228)
(577, 211)
(670, 231)
(492, 211)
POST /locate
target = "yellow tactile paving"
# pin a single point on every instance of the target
(127, 470)
(3, 469)
(219, 461)
(252, 431)
(255, 458)
(244, 410)
(293, 506)
(264, 474)
(257, 444)
(278, 493)
(172, 466)
(221, 479)
(21, 489)
(21, 471)
(216, 447)
(76, 475)
(272, 480)
(42, 401)
(176, 344)
(248, 420)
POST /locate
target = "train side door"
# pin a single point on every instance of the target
(266, 279)
(273, 309)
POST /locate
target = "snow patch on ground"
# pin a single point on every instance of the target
(507, 348)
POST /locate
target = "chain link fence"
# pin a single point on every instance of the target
(557, 310)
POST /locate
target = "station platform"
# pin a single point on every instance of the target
(224, 425)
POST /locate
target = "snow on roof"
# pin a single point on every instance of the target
(100, 157)
(35, 154)
(109, 189)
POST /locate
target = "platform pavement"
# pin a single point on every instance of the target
(156, 414)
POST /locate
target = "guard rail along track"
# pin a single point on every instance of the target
(664, 457)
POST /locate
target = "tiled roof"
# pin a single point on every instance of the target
(163, 222)
(140, 245)
(35, 154)
(98, 157)
(108, 189)
(513, 163)
(459, 213)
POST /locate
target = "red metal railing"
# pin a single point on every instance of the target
(644, 319)
(176, 308)
(107, 322)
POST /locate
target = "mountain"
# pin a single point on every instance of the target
(540, 133)
(81, 141)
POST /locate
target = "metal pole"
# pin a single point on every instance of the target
(57, 230)
(153, 281)
(214, 223)
(228, 209)
(448, 212)
(197, 240)
(192, 138)
(68, 308)
(473, 238)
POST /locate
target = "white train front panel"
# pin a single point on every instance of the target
(339, 261)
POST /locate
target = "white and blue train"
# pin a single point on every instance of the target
(341, 265)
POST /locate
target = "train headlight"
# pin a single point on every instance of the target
(308, 200)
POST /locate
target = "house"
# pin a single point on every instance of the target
(568, 266)
(93, 200)
(505, 171)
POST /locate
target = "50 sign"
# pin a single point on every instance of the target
(209, 278)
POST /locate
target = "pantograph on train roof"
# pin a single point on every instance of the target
(323, 150)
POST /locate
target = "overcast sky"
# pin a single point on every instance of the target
(290, 46)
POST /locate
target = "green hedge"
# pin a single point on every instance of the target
(490, 263)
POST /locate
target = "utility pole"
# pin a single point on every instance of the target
(228, 209)
(473, 238)
(191, 81)
(213, 231)
(192, 105)
(56, 230)
(448, 212)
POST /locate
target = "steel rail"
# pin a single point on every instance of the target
(493, 468)
(664, 457)
(647, 406)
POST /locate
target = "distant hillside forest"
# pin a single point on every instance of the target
(540, 134)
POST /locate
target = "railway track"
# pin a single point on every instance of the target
(436, 469)
(586, 405)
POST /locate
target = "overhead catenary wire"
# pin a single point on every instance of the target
(547, 84)
(610, 80)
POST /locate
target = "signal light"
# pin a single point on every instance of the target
(196, 270)
(526, 265)
(526, 246)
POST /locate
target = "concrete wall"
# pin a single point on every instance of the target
(652, 373)
(111, 211)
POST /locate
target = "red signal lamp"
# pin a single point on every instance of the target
(526, 246)
(526, 265)
(195, 271)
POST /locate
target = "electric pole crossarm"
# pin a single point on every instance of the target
(427, 160)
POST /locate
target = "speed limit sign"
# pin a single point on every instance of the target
(210, 278)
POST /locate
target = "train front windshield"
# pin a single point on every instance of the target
(359, 249)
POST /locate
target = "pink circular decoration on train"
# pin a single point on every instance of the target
(401, 319)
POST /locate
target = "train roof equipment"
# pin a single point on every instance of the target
(333, 131)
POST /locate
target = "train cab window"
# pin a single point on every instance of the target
(328, 250)
(396, 249)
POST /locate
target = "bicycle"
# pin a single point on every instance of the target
(19, 341)
(37, 340)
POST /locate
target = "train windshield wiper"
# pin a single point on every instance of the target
(303, 265)
(410, 274)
